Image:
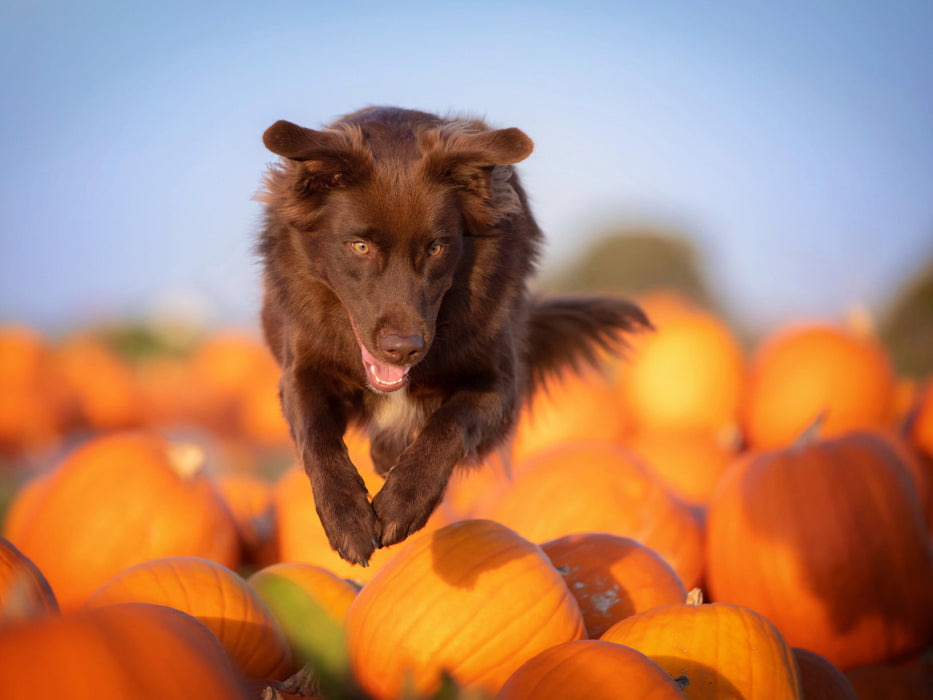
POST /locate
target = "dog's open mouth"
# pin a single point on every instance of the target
(381, 376)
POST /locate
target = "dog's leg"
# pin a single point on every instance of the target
(340, 496)
(467, 423)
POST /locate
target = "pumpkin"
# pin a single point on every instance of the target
(921, 430)
(688, 375)
(724, 650)
(473, 599)
(820, 680)
(249, 499)
(828, 540)
(887, 682)
(299, 532)
(690, 463)
(613, 577)
(146, 652)
(102, 387)
(216, 596)
(573, 407)
(589, 669)
(24, 592)
(800, 372)
(32, 400)
(330, 594)
(120, 499)
(599, 487)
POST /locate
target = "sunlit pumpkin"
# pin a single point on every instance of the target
(24, 592)
(689, 462)
(687, 375)
(725, 651)
(599, 487)
(216, 596)
(613, 577)
(827, 539)
(801, 372)
(145, 652)
(474, 599)
(117, 500)
(590, 669)
(820, 680)
(576, 406)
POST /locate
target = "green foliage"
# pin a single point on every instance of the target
(907, 327)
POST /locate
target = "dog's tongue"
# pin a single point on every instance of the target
(382, 376)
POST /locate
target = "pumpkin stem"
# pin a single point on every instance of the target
(187, 459)
(860, 322)
(695, 597)
(810, 434)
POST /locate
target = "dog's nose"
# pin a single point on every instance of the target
(402, 348)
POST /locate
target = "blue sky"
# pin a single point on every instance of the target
(793, 141)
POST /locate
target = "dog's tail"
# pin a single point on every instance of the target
(575, 333)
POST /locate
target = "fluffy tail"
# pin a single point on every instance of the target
(573, 332)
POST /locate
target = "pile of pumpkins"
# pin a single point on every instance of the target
(793, 487)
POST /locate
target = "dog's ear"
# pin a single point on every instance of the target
(478, 163)
(330, 157)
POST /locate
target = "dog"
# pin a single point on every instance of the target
(396, 249)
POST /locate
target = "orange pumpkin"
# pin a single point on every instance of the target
(820, 680)
(921, 431)
(102, 387)
(32, 400)
(827, 539)
(801, 372)
(145, 652)
(599, 487)
(613, 577)
(690, 463)
(117, 500)
(24, 592)
(725, 651)
(688, 375)
(473, 598)
(589, 669)
(575, 407)
(329, 594)
(249, 499)
(216, 596)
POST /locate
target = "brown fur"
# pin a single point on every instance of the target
(417, 229)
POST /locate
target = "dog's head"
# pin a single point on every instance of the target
(377, 208)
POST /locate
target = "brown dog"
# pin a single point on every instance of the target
(397, 246)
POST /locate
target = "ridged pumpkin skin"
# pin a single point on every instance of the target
(328, 590)
(144, 652)
(828, 541)
(590, 670)
(24, 592)
(726, 651)
(800, 372)
(599, 487)
(613, 577)
(118, 500)
(473, 598)
(216, 596)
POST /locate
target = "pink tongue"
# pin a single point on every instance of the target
(384, 377)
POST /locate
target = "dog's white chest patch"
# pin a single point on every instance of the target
(397, 411)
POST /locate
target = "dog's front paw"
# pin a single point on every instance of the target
(403, 508)
(350, 523)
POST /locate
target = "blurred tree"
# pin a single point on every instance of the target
(907, 326)
(633, 260)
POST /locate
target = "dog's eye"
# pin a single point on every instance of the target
(360, 247)
(435, 249)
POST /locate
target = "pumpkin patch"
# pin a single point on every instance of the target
(153, 516)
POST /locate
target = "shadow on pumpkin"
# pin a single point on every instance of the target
(829, 542)
(702, 681)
